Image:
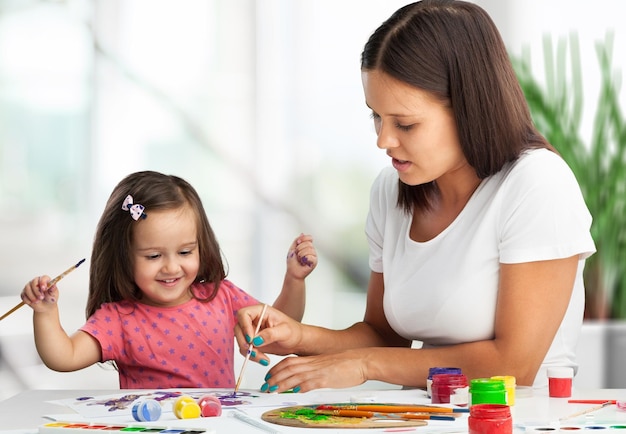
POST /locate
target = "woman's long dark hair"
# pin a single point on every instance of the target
(453, 50)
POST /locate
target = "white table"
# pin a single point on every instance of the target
(25, 411)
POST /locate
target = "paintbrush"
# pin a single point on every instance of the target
(50, 285)
(591, 401)
(588, 410)
(243, 367)
(373, 414)
(394, 408)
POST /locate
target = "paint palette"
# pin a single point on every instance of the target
(302, 416)
(93, 428)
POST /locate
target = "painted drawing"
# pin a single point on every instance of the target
(121, 403)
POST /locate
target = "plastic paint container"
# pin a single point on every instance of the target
(509, 386)
(438, 370)
(210, 406)
(185, 407)
(523, 392)
(487, 391)
(490, 419)
(560, 382)
(147, 410)
(444, 385)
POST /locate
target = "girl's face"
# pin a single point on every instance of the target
(165, 256)
(417, 130)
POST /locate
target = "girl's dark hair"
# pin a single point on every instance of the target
(111, 271)
(453, 50)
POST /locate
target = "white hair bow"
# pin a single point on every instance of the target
(136, 210)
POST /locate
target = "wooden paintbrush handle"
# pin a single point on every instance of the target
(12, 310)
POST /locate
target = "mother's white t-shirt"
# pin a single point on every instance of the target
(443, 291)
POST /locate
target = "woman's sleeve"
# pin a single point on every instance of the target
(545, 216)
(375, 223)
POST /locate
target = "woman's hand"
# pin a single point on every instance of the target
(38, 296)
(279, 334)
(302, 374)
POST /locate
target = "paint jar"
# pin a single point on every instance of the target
(445, 386)
(185, 407)
(524, 392)
(146, 410)
(509, 386)
(490, 419)
(560, 382)
(210, 406)
(487, 391)
(438, 370)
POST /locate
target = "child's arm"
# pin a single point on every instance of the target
(301, 260)
(57, 350)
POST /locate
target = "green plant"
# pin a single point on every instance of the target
(599, 166)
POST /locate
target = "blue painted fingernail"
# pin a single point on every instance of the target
(253, 354)
(257, 341)
(268, 376)
(264, 362)
(274, 388)
(296, 389)
(247, 339)
(265, 387)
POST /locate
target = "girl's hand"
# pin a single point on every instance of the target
(37, 295)
(279, 333)
(302, 257)
(302, 374)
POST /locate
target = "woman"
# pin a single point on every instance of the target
(478, 232)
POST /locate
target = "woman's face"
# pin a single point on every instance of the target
(417, 130)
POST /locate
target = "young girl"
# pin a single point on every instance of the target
(159, 304)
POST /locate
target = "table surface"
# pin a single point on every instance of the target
(26, 411)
